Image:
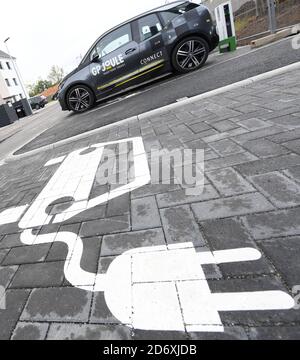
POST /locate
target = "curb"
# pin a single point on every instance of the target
(159, 111)
(274, 37)
(242, 83)
(84, 135)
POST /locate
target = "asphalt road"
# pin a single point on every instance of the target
(21, 132)
(220, 70)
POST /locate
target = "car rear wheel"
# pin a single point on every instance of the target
(37, 107)
(80, 98)
(190, 54)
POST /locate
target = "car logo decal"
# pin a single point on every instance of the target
(108, 65)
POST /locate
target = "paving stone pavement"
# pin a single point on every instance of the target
(251, 198)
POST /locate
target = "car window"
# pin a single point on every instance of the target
(113, 41)
(149, 26)
(170, 14)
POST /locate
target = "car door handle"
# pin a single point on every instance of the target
(129, 51)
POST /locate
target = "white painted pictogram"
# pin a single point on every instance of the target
(2, 298)
(164, 287)
(153, 288)
(74, 180)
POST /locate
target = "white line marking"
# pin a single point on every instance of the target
(256, 300)
(55, 161)
(182, 99)
(12, 215)
(228, 256)
(74, 180)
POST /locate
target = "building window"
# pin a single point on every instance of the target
(1, 67)
(7, 82)
(8, 65)
(15, 81)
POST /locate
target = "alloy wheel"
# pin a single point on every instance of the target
(190, 55)
(79, 99)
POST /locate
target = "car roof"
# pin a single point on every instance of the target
(159, 8)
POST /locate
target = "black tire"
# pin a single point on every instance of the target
(80, 98)
(37, 107)
(190, 54)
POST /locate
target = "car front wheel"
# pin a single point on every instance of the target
(80, 98)
(190, 54)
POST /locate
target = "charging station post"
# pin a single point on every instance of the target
(225, 25)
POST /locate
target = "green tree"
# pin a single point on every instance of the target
(56, 74)
(39, 87)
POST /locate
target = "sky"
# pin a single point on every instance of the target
(58, 32)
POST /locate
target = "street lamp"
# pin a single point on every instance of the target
(15, 68)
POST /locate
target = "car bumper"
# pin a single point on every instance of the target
(214, 38)
(62, 102)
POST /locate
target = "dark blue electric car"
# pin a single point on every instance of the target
(175, 37)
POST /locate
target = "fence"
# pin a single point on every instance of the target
(287, 13)
(251, 17)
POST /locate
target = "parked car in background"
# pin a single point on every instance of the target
(55, 96)
(174, 37)
(37, 102)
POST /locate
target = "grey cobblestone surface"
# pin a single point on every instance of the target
(251, 199)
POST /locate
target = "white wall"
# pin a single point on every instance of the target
(4, 93)
(10, 74)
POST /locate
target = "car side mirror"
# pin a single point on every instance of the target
(95, 57)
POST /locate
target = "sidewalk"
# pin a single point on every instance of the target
(251, 198)
(26, 129)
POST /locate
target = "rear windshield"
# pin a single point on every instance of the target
(170, 14)
(35, 99)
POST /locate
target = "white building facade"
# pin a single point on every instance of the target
(11, 89)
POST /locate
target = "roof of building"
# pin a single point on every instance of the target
(4, 55)
(50, 91)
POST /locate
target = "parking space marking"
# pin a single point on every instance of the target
(151, 288)
(12, 215)
(55, 161)
(73, 181)
(182, 99)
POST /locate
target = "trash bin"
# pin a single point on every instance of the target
(7, 115)
(20, 111)
(22, 108)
